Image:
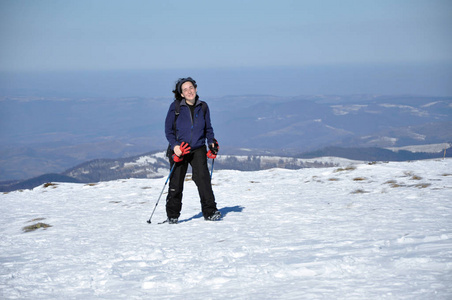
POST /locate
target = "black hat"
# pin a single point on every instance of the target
(181, 81)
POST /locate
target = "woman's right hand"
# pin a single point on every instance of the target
(183, 149)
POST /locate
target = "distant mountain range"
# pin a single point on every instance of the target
(49, 135)
(378, 154)
(155, 165)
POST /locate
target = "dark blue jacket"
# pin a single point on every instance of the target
(194, 132)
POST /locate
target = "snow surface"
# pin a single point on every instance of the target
(142, 161)
(341, 110)
(373, 231)
(430, 148)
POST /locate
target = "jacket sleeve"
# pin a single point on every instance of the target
(209, 130)
(169, 122)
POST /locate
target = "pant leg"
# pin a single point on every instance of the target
(175, 189)
(201, 177)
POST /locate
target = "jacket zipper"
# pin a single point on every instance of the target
(192, 124)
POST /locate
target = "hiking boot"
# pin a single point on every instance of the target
(213, 217)
(172, 220)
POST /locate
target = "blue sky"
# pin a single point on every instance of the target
(46, 35)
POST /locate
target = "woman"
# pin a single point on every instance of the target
(187, 127)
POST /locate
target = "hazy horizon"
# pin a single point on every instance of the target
(379, 79)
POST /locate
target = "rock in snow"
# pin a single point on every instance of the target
(370, 231)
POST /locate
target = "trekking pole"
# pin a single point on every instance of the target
(211, 171)
(149, 221)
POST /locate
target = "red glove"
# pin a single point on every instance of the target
(185, 149)
(213, 149)
(177, 158)
(211, 155)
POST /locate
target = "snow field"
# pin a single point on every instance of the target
(379, 231)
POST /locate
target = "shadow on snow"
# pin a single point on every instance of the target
(224, 211)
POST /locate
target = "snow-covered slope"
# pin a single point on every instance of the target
(155, 165)
(372, 231)
(433, 148)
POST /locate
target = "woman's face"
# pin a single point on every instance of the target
(188, 91)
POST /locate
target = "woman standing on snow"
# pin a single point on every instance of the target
(187, 126)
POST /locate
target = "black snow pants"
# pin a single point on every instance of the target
(200, 175)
